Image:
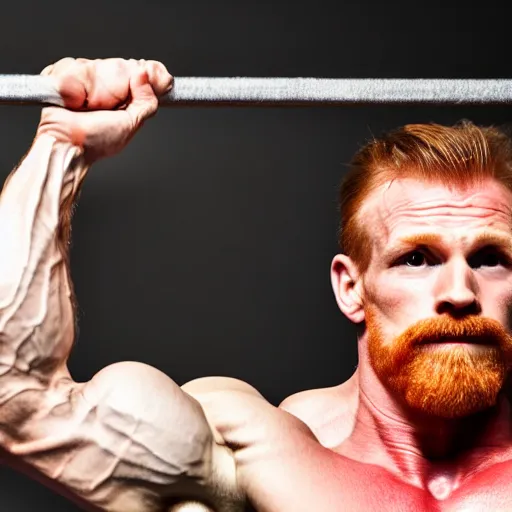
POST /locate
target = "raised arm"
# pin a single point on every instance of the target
(130, 439)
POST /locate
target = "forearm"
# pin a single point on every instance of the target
(36, 310)
(130, 440)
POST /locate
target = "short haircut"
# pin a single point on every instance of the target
(457, 156)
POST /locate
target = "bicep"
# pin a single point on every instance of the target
(130, 439)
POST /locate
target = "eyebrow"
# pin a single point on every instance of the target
(488, 238)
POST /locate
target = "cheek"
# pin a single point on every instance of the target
(496, 302)
(397, 296)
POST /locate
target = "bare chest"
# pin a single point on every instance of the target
(319, 480)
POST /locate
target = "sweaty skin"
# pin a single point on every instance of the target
(132, 440)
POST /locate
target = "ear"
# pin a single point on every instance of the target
(346, 284)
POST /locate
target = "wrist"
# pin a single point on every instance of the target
(58, 123)
(61, 153)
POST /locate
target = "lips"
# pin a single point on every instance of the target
(460, 340)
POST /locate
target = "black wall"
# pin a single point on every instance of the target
(204, 248)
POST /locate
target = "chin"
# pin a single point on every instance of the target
(457, 402)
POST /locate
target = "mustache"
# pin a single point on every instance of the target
(471, 329)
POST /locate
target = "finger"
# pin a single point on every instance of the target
(73, 91)
(47, 70)
(70, 80)
(160, 79)
(109, 84)
(60, 65)
(144, 101)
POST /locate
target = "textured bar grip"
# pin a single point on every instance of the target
(29, 90)
(338, 91)
(35, 89)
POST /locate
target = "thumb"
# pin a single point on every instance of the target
(144, 102)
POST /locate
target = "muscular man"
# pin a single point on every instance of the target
(426, 272)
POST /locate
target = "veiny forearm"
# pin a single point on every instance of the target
(36, 308)
(130, 440)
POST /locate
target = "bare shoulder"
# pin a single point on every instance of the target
(237, 411)
(227, 404)
(328, 412)
(219, 384)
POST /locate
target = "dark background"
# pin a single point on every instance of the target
(204, 248)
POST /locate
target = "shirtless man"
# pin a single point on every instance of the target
(426, 273)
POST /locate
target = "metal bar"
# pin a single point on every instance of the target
(39, 90)
(29, 90)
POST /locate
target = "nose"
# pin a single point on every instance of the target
(457, 289)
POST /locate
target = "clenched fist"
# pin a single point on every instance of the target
(106, 102)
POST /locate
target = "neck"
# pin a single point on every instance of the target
(418, 446)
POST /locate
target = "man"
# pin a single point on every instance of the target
(426, 273)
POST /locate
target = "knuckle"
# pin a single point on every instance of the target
(119, 67)
(57, 65)
(115, 67)
(47, 70)
(77, 68)
(118, 62)
(133, 65)
(158, 66)
(65, 61)
(153, 67)
(159, 76)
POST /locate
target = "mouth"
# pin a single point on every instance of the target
(476, 345)
(462, 341)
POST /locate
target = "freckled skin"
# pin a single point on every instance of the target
(132, 440)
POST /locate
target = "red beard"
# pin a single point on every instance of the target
(450, 381)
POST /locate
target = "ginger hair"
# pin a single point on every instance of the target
(457, 156)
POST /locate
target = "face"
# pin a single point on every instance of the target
(437, 293)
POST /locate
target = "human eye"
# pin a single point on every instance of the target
(489, 257)
(414, 259)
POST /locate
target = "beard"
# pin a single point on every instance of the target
(449, 381)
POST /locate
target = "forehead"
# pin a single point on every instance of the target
(405, 207)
